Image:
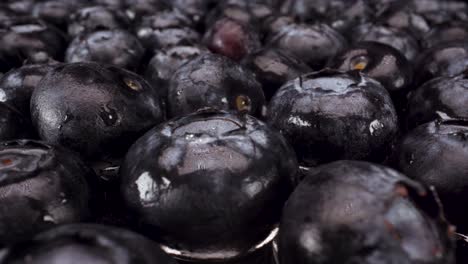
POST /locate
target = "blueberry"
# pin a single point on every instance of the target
(313, 44)
(165, 63)
(165, 29)
(380, 62)
(57, 12)
(114, 4)
(406, 20)
(446, 59)
(94, 18)
(400, 39)
(29, 39)
(214, 81)
(274, 67)
(19, 7)
(445, 96)
(358, 212)
(209, 186)
(250, 13)
(331, 115)
(86, 243)
(232, 39)
(435, 154)
(96, 110)
(448, 32)
(194, 9)
(117, 47)
(40, 186)
(17, 86)
(138, 8)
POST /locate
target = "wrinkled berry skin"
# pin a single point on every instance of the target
(40, 186)
(86, 243)
(331, 115)
(273, 68)
(313, 44)
(116, 47)
(447, 59)
(435, 154)
(400, 39)
(166, 29)
(440, 96)
(165, 63)
(357, 212)
(29, 39)
(13, 124)
(378, 61)
(17, 86)
(93, 109)
(217, 187)
(95, 18)
(214, 81)
(232, 39)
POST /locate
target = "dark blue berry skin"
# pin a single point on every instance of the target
(86, 243)
(446, 59)
(447, 96)
(40, 186)
(331, 115)
(399, 38)
(31, 40)
(313, 44)
(93, 109)
(435, 154)
(17, 86)
(214, 81)
(94, 18)
(273, 68)
(166, 62)
(378, 61)
(116, 47)
(358, 212)
(208, 186)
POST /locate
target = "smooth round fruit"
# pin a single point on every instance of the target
(28, 39)
(214, 81)
(447, 96)
(209, 186)
(136, 9)
(446, 33)
(94, 109)
(166, 29)
(17, 86)
(274, 67)
(435, 154)
(447, 59)
(40, 186)
(86, 243)
(378, 61)
(57, 12)
(400, 39)
(356, 212)
(231, 39)
(313, 44)
(117, 47)
(332, 115)
(96, 18)
(166, 62)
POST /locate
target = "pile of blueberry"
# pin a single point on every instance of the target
(234, 131)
